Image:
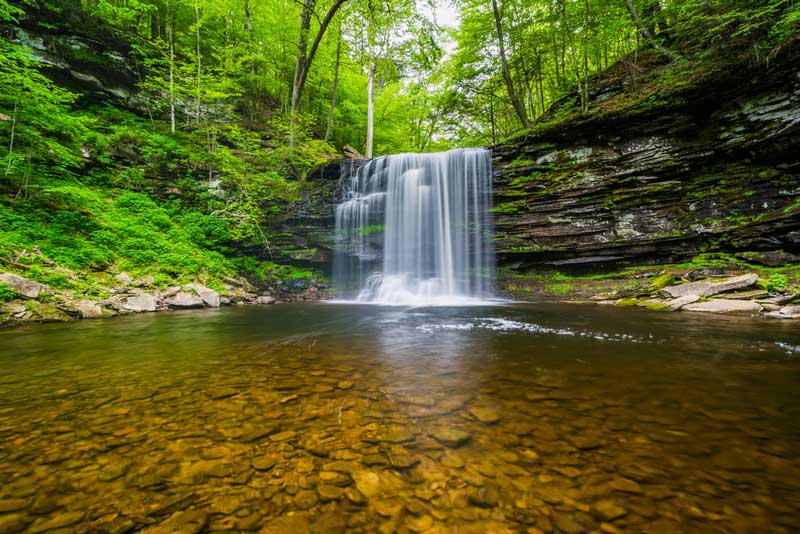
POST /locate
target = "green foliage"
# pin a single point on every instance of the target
(6, 294)
(777, 283)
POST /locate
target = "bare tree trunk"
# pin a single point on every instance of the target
(305, 57)
(11, 140)
(512, 95)
(248, 24)
(329, 127)
(370, 109)
(171, 38)
(649, 37)
(199, 60)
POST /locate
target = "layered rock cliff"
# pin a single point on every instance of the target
(713, 164)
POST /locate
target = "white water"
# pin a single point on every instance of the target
(415, 229)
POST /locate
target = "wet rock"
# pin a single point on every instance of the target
(724, 306)
(286, 435)
(484, 415)
(21, 286)
(485, 497)
(305, 499)
(397, 434)
(342, 466)
(355, 496)
(585, 442)
(450, 437)
(13, 505)
(144, 302)
(329, 492)
(786, 312)
(680, 302)
(566, 522)
(607, 510)
(334, 478)
(88, 309)
(625, 485)
(56, 521)
(452, 461)
(209, 296)
(737, 461)
(264, 463)
(13, 523)
(419, 524)
(185, 300)
(344, 384)
(368, 483)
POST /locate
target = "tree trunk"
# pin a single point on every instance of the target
(248, 24)
(649, 37)
(305, 57)
(199, 61)
(171, 38)
(370, 109)
(329, 127)
(512, 95)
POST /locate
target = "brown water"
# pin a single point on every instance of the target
(334, 418)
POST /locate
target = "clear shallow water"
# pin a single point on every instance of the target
(334, 418)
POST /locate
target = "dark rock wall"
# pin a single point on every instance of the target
(718, 169)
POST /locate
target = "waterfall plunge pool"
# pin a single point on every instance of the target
(327, 418)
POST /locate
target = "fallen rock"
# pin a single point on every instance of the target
(22, 286)
(124, 279)
(787, 312)
(680, 302)
(143, 302)
(725, 306)
(185, 300)
(770, 259)
(209, 296)
(88, 309)
(706, 289)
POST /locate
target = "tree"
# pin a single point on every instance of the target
(512, 94)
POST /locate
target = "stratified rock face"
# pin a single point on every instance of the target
(716, 166)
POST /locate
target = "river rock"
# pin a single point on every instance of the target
(89, 309)
(143, 302)
(22, 286)
(185, 300)
(209, 296)
(305, 499)
(264, 299)
(368, 483)
(185, 522)
(706, 289)
(450, 437)
(607, 510)
(787, 312)
(484, 415)
(680, 302)
(724, 306)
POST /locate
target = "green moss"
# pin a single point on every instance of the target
(6, 294)
(661, 282)
(509, 208)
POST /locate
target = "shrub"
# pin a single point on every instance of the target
(5, 293)
(777, 283)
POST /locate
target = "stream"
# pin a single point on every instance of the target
(332, 418)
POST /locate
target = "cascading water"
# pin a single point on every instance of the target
(415, 229)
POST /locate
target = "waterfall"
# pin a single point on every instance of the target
(416, 229)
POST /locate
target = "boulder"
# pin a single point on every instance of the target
(171, 292)
(185, 300)
(88, 309)
(265, 299)
(124, 279)
(787, 312)
(706, 289)
(143, 302)
(770, 259)
(22, 286)
(209, 296)
(724, 306)
(680, 302)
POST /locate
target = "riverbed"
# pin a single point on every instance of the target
(358, 418)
